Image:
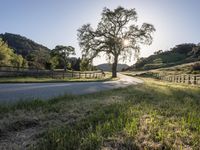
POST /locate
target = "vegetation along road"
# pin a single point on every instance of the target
(29, 91)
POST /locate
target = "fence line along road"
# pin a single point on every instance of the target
(9, 71)
(183, 78)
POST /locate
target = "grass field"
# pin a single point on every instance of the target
(153, 115)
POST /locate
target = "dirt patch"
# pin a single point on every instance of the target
(119, 142)
(17, 134)
(23, 124)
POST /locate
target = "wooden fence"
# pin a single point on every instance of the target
(183, 78)
(7, 71)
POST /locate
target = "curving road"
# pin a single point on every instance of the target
(28, 91)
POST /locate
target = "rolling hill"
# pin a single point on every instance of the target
(22, 45)
(36, 55)
(180, 54)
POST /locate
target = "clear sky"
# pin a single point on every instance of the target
(54, 22)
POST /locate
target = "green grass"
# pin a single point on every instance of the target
(153, 115)
(51, 80)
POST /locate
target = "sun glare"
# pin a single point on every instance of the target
(126, 42)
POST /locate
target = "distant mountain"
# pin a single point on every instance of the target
(180, 54)
(108, 67)
(22, 45)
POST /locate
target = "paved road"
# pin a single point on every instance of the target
(28, 91)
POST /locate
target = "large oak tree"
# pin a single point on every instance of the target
(117, 35)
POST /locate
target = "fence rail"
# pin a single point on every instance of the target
(9, 71)
(183, 78)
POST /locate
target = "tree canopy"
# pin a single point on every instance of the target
(5, 53)
(9, 58)
(117, 35)
(39, 59)
(62, 53)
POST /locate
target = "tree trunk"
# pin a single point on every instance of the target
(114, 67)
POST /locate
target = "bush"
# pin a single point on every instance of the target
(196, 67)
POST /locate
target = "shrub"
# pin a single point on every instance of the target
(196, 67)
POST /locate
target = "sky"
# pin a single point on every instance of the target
(55, 22)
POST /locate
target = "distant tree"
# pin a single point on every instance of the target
(158, 52)
(63, 52)
(9, 58)
(25, 63)
(117, 35)
(196, 52)
(184, 48)
(5, 53)
(39, 59)
(75, 63)
(85, 65)
(17, 60)
(54, 62)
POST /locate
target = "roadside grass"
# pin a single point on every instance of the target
(153, 115)
(52, 80)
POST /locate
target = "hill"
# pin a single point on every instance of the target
(36, 55)
(188, 68)
(22, 45)
(108, 67)
(180, 54)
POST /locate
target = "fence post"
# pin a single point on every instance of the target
(37, 73)
(195, 79)
(198, 80)
(189, 78)
(52, 74)
(180, 79)
(176, 78)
